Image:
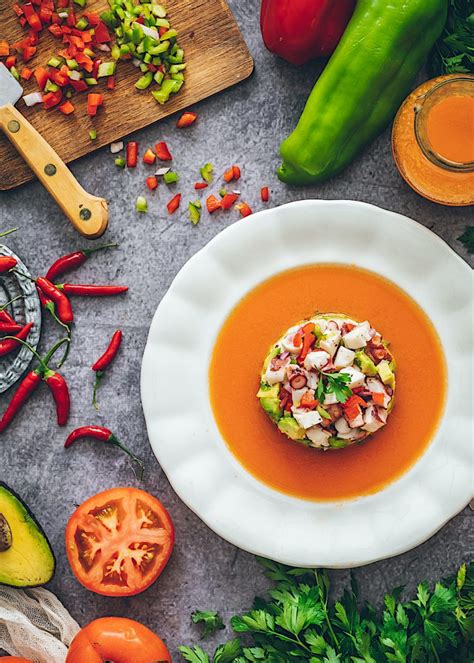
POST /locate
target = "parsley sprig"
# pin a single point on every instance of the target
(298, 624)
(334, 383)
(211, 621)
(467, 238)
(454, 51)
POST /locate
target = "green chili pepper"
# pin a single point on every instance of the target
(361, 87)
(141, 205)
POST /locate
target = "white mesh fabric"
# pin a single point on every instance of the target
(35, 624)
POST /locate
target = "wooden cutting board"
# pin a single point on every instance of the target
(216, 56)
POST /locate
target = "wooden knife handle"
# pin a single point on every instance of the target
(88, 214)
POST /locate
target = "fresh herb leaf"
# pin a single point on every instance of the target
(467, 238)
(454, 51)
(298, 624)
(212, 622)
(337, 385)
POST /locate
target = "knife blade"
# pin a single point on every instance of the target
(87, 213)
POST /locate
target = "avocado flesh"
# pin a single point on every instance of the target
(272, 407)
(26, 558)
(290, 427)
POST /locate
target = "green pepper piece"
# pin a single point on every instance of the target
(92, 134)
(362, 86)
(82, 23)
(144, 81)
(169, 34)
(194, 212)
(170, 177)
(120, 162)
(141, 204)
(106, 69)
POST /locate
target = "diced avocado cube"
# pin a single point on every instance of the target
(266, 391)
(272, 407)
(291, 427)
(386, 374)
(365, 363)
(337, 443)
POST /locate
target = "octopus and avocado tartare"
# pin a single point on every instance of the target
(329, 382)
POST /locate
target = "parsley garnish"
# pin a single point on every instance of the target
(467, 238)
(298, 623)
(212, 622)
(454, 52)
(336, 383)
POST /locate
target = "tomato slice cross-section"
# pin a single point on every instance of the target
(119, 541)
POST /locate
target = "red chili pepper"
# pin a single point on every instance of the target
(28, 385)
(149, 157)
(265, 194)
(152, 182)
(233, 173)
(86, 290)
(63, 305)
(186, 120)
(300, 30)
(60, 392)
(132, 154)
(162, 152)
(72, 261)
(7, 345)
(105, 360)
(9, 327)
(201, 185)
(244, 209)
(104, 435)
(213, 204)
(228, 200)
(173, 204)
(7, 262)
(4, 315)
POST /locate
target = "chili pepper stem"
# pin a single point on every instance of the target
(27, 345)
(11, 301)
(98, 378)
(94, 249)
(140, 465)
(8, 232)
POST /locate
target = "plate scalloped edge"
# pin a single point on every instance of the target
(188, 445)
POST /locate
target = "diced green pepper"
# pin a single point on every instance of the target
(169, 34)
(144, 81)
(106, 69)
(55, 62)
(82, 23)
(120, 162)
(194, 212)
(91, 81)
(50, 86)
(141, 205)
(160, 48)
(170, 177)
(72, 64)
(92, 134)
(206, 172)
(158, 77)
(81, 3)
(16, 75)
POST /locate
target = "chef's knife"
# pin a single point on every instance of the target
(87, 213)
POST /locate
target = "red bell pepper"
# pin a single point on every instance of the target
(149, 157)
(52, 98)
(173, 204)
(300, 30)
(66, 107)
(94, 100)
(42, 77)
(4, 48)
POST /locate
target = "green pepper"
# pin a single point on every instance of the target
(144, 81)
(362, 86)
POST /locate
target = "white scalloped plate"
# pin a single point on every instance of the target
(185, 438)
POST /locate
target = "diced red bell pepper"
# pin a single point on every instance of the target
(233, 173)
(55, 19)
(22, 21)
(265, 194)
(201, 185)
(85, 61)
(4, 48)
(26, 73)
(34, 21)
(59, 78)
(152, 182)
(132, 154)
(45, 14)
(162, 31)
(56, 30)
(93, 19)
(186, 120)
(213, 204)
(51, 99)
(308, 401)
(95, 68)
(228, 200)
(17, 9)
(378, 397)
(71, 19)
(162, 152)
(244, 209)
(79, 86)
(173, 204)
(33, 36)
(10, 61)
(42, 77)
(63, 3)
(149, 157)
(94, 100)
(77, 42)
(352, 407)
(101, 34)
(111, 83)
(66, 107)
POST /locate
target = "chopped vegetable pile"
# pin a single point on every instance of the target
(328, 382)
(140, 33)
(299, 623)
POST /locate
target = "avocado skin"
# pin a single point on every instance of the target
(35, 540)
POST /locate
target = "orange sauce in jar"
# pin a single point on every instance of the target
(450, 128)
(258, 321)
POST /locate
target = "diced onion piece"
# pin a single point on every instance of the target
(116, 147)
(147, 31)
(33, 98)
(162, 171)
(103, 47)
(75, 75)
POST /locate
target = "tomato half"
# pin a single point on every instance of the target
(119, 640)
(119, 541)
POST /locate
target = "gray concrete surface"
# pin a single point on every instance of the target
(243, 125)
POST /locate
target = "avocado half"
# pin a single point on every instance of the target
(26, 557)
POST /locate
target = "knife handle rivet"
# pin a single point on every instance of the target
(13, 126)
(50, 169)
(85, 214)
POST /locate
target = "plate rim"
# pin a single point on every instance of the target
(189, 498)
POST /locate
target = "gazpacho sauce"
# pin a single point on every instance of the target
(261, 316)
